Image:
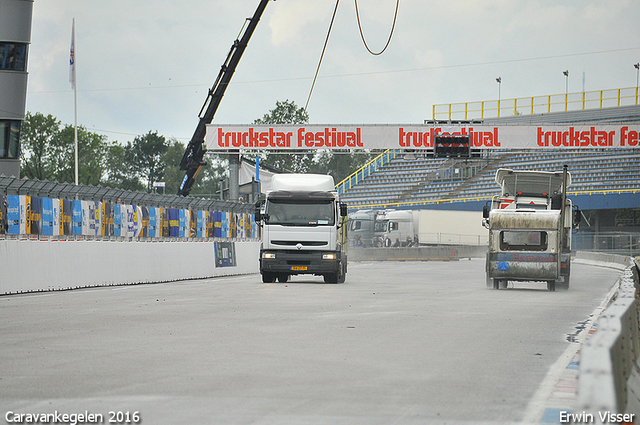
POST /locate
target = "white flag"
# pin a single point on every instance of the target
(72, 57)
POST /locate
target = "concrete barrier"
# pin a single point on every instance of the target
(609, 379)
(423, 253)
(31, 266)
(602, 259)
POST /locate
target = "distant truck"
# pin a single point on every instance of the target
(370, 228)
(530, 225)
(303, 229)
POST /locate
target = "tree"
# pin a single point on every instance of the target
(48, 151)
(38, 133)
(173, 175)
(340, 164)
(119, 170)
(92, 148)
(286, 113)
(147, 155)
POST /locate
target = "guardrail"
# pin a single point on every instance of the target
(409, 204)
(595, 99)
(609, 377)
(366, 170)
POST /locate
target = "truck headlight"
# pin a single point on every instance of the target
(269, 255)
(329, 256)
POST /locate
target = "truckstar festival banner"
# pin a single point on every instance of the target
(305, 137)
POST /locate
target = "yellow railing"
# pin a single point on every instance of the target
(536, 104)
(481, 198)
(366, 170)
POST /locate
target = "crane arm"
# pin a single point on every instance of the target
(193, 158)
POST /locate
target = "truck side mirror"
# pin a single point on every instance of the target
(577, 217)
(485, 211)
(343, 209)
(257, 213)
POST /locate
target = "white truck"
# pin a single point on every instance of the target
(303, 229)
(370, 228)
(530, 225)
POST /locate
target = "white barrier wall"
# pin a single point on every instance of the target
(29, 266)
(609, 379)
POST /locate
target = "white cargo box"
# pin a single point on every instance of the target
(306, 182)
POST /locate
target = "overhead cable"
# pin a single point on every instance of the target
(322, 55)
(393, 26)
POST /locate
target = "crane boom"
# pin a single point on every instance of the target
(193, 158)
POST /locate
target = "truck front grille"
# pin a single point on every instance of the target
(303, 243)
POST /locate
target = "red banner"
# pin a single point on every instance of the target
(390, 136)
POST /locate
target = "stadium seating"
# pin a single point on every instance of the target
(424, 179)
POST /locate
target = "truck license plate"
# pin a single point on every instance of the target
(298, 268)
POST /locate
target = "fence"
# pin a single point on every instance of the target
(537, 104)
(33, 209)
(612, 242)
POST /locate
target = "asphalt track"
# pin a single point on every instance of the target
(398, 343)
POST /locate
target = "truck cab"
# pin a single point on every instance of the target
(397, 226)
(303, 229)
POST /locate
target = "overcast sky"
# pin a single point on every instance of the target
(147, 65)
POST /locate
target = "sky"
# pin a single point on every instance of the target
(147, 65)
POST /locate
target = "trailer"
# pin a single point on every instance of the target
(530, 226)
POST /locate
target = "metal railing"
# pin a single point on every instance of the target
(576, 101)
(620, 243)
(44, 188)
(366, 170)
(415, 203)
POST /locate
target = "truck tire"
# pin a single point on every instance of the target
(343, 275)
(551, 285)
(564, 285)
(268, 277)
(283, 277)
(331, 278)
(496, 283)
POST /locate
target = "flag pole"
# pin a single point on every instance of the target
(72, 80)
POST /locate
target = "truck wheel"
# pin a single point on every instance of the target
(343, 273)
(496, 283)
(283, 278)
(268, 277)
(551, 285)
(563, 285)
(331, 278)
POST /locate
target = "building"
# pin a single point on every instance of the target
(15, 36)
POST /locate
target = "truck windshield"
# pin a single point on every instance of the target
(300, 214)
(523, 241)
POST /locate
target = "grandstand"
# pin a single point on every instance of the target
(427, 182)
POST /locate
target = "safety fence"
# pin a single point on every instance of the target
(32, 209)
(620, 243)
(595, 99)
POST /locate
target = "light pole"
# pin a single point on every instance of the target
(499, 81)
(566, 89)
(637, 67)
